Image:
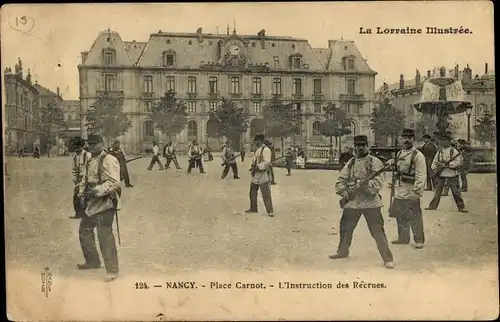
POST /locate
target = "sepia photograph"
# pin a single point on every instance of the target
(250, 161)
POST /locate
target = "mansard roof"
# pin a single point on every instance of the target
(341, 49)
(109, 40)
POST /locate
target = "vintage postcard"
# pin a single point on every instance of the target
(250, 161)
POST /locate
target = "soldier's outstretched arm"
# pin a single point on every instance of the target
(266, 160)
(342, 179)
(420, 174)
(375, 184)
(110, 177)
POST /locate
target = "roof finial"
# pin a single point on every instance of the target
(341, 33)
(234, 26)
(227, 29)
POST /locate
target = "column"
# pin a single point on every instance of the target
(202, 128)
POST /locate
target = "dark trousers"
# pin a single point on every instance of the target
(271, 174)
(77, 204)
(463, 177)
(289, 167)
(169, 160)
(408, 214)
(195, 163)
(455, 190)
(265, 189)
(233, 166)
(103, 222)
(155, 159)
(375, 221)
(429, 182)
(124, 175)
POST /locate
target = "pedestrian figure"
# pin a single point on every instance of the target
(273, 158)
(169, 154)
(411, 174)
(36, 153)
(366, 202)
(229, 159)
(242, 154)
(195, 155)
(445, 167)
(289, 161)
(429, 150)
(119, 154)
(80, 159)
(100, 193)
(156, 157)
(260, 176)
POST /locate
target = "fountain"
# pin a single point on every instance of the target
(442, 96)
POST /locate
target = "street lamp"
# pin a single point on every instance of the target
(468, 111)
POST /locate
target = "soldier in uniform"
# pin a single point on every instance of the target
(367, 202)
(289, 161)
(411, 174)
(429, 150)
(260, 176)
(156, 157)
(169, 154)
(100, 193)
(118, 153)
(445, 166)
(195, 155)
(466, 151)
(228, 157)
(80, 159)
(273, 157)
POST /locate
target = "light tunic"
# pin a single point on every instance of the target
(262, 160)
(194, 150)
(443, 156)
(79, 165)
(406, 190)
(156, 150)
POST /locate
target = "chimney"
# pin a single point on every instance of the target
(28, 77)
(486, 68)
(401, 82)
(456, 71)
(199, 31)
(85, 54)
(428, 74)
(262, 33)
(417, 78)
(262, 36)
(227, 30)
(57, 91)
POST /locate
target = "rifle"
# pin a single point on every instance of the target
(351, 192)
(441, 166)
(197, 157)
(394, 177)
(225, 162)
(133, 159)
(118, 228)
(254, 169)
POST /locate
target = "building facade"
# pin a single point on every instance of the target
(201, 68)
(479, 89)
(21, 103)
(72, 112)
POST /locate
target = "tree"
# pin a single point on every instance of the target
(51, 123)
(282, 120)
(387, 120)
(336, 124)
(106, 117)
(232, 120)
(426, 124)
(485, 130)
(169, 115)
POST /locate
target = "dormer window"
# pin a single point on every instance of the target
(276, 60)
(296, 61)
(168, 58)
(348, 62)
(108, 56)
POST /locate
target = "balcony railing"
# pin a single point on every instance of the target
(352, 97)
(109, 93)
(298, 96)
(147, 94)
(317, 97)
(235, 95)
(279, 96)
(213, 95)
(191, 95)
(256, 96)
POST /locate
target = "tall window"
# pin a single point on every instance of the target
(212, 83)
(192, 107)
(257, 85)
(276, 85)
(353, 129)
(213, 106)
(168, 60)
(170, 83)
(317, 107)
(296, 62)
(148, 105)
(276, 61)
(192, 129)
(235, 85)
(351, 86)
(109, 57)
(350, 63)
(256, 107)
(191, 84)
(316, 126)
(109, 82)
(317, 86)
(297, 86)
(148, 84)
(148, 128)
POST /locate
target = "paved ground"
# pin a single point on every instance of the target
(173, 224)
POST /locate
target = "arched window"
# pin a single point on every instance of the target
(148, 128)
(316, 126)
(192, 129)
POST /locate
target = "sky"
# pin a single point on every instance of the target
(52, 36)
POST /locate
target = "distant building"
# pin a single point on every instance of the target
(249, 69)
(20, 111)
(71, 110)
(480, 90)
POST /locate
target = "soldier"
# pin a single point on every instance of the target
(466, 151)
(289, 161)
(195, 155)
(80, 159)
(429, 150)
(229, 159)
(118, 153)
(444, 166)
(169, 154)
(156, 157)
(260, 176)
(100, 193)
(411, 173)
(367, 202)
(273, 157)
(242, 154)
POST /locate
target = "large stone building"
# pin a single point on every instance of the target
(249, 69)
(479, 89)
(21, 101)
